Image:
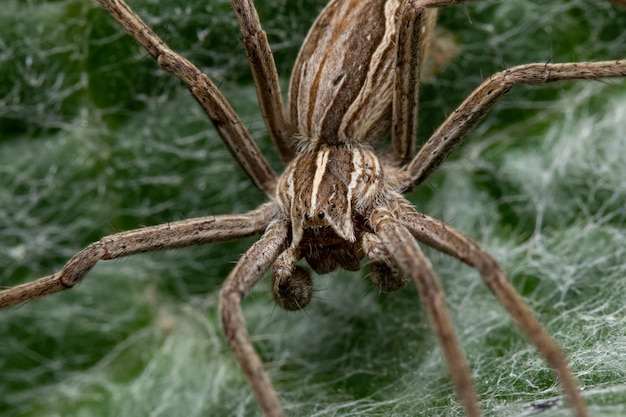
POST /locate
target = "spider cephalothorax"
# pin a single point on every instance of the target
(326, 196)
(338, 201)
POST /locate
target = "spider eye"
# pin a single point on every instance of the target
(306, 216)
(320, 215)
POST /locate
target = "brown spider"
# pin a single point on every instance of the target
(338, 200)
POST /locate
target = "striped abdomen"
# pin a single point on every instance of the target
(342, 83)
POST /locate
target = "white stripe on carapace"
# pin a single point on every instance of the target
(320, 169)
(357, 172)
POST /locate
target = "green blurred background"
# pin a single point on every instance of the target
(95, 139)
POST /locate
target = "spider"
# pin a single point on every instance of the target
(339, 199)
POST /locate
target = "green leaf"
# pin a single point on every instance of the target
(96, 139)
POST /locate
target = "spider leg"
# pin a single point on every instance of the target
(456, 127)
(249, 270)
(442, 237)
(292, 286)
(415, 26)
(265, 78)
(229, 126)
(399, 242)
(384, 271)
(183, 233)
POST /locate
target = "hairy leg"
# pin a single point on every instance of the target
(249, 270)
(399, 241)
(437, 234)
(415, 30)
(265, 78)
(229, 126)
(148, 239)
(456, 127)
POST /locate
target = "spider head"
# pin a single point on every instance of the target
(321, 190)
(320, 211)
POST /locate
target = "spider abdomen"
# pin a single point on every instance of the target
(342, 82)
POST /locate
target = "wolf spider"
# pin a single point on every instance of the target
(338, 200)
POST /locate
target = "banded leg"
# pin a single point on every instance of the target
(229, 126)
(442, 237)
(399, 242)
(249, 270)
(456, 127)
(265, 78)
(148, 239)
